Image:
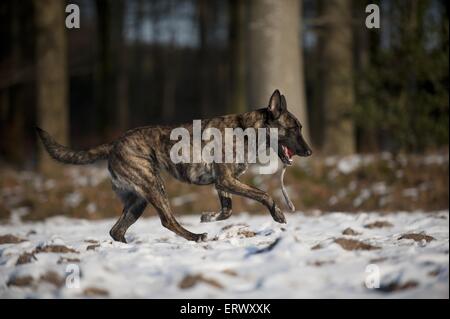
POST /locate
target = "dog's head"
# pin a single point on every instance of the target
(290, 138)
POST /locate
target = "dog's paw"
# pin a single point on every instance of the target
(118, 236)
(208, 217)
(214, 216)
(278, 215)
(201, 237)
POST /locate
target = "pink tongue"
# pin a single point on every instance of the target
(289, 152)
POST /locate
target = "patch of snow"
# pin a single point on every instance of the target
(352, 186)
(91, 208)
(380, 188)
(330, 161)
(88, 176)
(183, 199)
(73, 199)
(249, 256)
(386, 156)
(278, 193)
(402, 159)
(362, 197)
(17, 214)
(383, 201)
(349, 164)
(435, 159)
(342, 193)
(333, 200)
(411, 192)
(49, 184)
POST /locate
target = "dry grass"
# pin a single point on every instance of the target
(49, 277)
(190, 281)
(92, 247)
(65, 260)
(417, 237)
(25, 258)
(95, 292)
(396, 286)
(351, 244)
(60, 249)
(24, 281)
(410, 184)
(379, 224)
(10, 239)
(350, 232)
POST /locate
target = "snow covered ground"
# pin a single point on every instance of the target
(406, 255)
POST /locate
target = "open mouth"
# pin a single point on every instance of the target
(286, 155)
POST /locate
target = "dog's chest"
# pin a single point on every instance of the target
(201, 174)
(204, 173)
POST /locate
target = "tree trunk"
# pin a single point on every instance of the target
(122, 66)
(12, 114)
(51, 75)
(112, 68)
(276, 55)
(104, 70)
(366, 133)
(171, 70)
(338, 91)
(238, 103)
(204, 19)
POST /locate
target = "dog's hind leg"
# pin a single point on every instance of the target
(225, 209)
(143, 177)
(155, 194)
(134, 206)
(149, 185)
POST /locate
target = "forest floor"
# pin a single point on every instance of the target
(337, 255)
(383, 182)
(359, 218)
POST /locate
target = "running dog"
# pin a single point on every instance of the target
(136, 159)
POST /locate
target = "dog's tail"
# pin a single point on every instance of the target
(66, 155)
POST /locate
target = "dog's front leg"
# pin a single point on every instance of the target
(225, 209)
(228, 183)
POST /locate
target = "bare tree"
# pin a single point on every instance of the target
(238, 103)
(171, 70)
(51, 74)
(204, 15)
(122, 66)
(338, 91)
(111, 67)
(365, 129)
(104, 68)
(276, 57)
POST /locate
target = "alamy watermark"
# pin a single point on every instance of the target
(237, 146)
(73, 276)
(373, 19)
(73, 17)
(373, 276)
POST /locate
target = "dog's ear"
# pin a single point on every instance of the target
(276, 106)
(283, 103)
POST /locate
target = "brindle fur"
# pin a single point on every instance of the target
(136, 159)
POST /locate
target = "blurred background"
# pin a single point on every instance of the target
(374, 102)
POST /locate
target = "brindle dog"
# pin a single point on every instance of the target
(136, 159)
